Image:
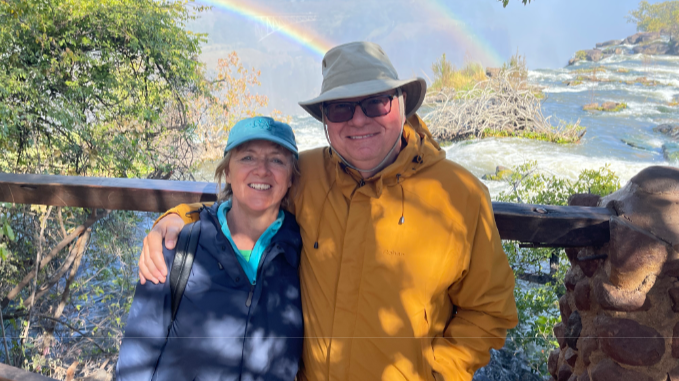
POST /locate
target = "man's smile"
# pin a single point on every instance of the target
(358, 137)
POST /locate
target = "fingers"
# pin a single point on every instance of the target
(154, 248)
(144, 270)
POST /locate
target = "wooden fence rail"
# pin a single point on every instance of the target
(543, 225)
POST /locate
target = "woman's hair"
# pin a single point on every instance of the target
(224, 193)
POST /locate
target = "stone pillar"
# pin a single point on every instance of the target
(620, 314)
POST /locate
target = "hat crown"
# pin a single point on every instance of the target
(354, 63)
(261, 128)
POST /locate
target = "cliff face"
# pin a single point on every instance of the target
(620, 314)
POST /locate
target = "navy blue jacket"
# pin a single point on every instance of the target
(225, 328)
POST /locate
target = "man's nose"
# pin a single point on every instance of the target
(359, 118)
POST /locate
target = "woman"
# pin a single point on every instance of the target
(240, 315)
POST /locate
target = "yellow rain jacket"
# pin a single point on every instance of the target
(424, 299)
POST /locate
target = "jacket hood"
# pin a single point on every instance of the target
(420, 151)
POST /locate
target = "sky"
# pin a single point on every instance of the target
(285, 39)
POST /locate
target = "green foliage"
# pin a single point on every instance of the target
(446, 76)
(85, 84)
(505, 2)
(659, 17)
(537, 302)
(568, 134)
(581, 55)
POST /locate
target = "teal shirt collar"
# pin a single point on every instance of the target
(249, 267)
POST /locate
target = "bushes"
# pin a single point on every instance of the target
(540, 271)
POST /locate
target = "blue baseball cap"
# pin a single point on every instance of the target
(261, 128)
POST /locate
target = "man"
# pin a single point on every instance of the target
(402, 270)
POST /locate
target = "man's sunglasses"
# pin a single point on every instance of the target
(372, 107)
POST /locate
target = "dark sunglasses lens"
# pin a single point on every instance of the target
(378, 106)
(339, 112)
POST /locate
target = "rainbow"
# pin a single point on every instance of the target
(304, 37)
(478, 47)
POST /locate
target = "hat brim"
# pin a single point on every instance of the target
(416, 89)
(273, 139)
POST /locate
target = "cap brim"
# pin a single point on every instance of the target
(416, 89)
(270, 138)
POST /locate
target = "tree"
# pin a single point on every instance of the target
(660, 17)
(505, 2)
(84, 84)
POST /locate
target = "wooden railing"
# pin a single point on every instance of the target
(541, 225)
(537, 225)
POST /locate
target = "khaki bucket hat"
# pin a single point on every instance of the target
(359, 69)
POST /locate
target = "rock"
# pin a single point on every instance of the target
(565, 308)
(638, 38)
(673, 375)
(674, 47)
(608, 43)
(607, 370)
(590, 106)
(675, 341)
(670, 151)
(589, 267)
(637, 143)
(587, 345)
(560, 333)
(634, 255)
(647, 201)
(572, 277)
(573, 329)
(629, 342)
(671, 130)
(564, 373)
(492, 72)
(501, 173)
(572, 254)
(613, 298)
(583, 199)
(571, 356)
(652, 49)
(553, 362)
(594, 55)
(581, 295)
(609, 105)
(572, 61)
(584, 377)
(674, 296)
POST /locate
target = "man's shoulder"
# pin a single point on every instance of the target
(455, 177)
(312, 157)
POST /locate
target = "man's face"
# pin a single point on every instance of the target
(363, 141)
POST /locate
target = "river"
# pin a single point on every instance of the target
(602, 144)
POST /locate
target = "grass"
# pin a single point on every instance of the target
(619, 107)
(447, 76)
(462, 81)
(559, 137)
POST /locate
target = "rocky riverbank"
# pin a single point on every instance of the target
(650, 43)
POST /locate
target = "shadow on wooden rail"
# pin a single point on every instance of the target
(541, 225)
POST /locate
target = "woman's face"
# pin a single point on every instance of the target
(260, 174)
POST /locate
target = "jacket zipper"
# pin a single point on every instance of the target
(249, 301)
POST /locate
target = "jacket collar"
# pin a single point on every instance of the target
(420, 151)
(287, 238)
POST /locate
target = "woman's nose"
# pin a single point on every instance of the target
(262, 167)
